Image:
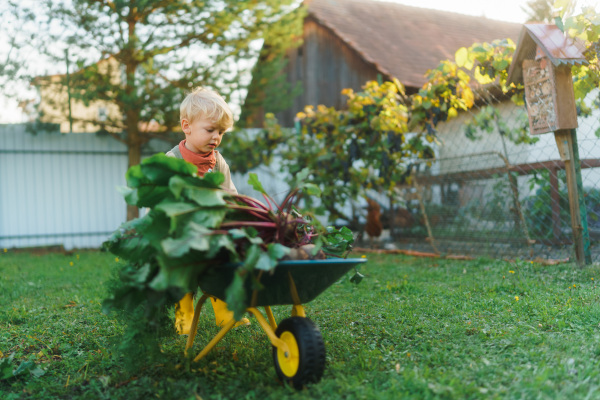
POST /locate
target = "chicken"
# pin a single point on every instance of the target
(399, 218)
(373, 226)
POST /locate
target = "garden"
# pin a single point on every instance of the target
(100, 324)
(420, 328)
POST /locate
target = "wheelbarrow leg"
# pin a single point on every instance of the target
(271, 318)
(298, 311)
(194, 327)
(275, 341)
(226, 328)
(269, 331)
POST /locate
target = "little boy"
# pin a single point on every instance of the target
(205, 117)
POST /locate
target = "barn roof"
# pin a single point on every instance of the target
(404, 41)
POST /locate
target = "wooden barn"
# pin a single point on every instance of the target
(349, 42)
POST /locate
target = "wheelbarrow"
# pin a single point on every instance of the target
(298, 347)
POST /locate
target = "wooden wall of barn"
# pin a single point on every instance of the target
(325, 65)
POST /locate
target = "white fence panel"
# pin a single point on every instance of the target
(60, 189)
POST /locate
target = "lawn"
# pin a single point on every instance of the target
(417, 328)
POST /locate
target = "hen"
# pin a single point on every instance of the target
(373, 226)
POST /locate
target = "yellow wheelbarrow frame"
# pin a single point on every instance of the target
(289, 283)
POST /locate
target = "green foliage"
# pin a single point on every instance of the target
(246, 150)
(7, 371)
(352, 150)
(161, 50)
(370, 144)
(446, 92)
(538, 207)
(490, 63)
(586, 28)
(489, 120)
(193, 225)
(539, 10)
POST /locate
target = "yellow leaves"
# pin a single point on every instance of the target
(468, 97)
(463, 59)
(308, 111)
(365, 101)
(348, 92)
(480, 78)
(452, 112)
(518, 99)
(321, 108)
(399, 86)
(463, 76)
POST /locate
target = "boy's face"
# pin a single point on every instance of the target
(202, 135)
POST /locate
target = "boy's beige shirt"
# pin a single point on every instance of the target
(222, 167)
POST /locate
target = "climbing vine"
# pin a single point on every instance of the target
(585, 27)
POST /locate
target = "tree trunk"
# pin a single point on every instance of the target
(134, 141)
(134, 153)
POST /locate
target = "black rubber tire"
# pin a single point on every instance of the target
(311, 351)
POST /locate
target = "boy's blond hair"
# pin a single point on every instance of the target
(206, 103)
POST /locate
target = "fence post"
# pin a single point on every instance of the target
(555, 201)
(581, 200)
(566, 141)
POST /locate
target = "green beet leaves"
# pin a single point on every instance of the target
(191, 225)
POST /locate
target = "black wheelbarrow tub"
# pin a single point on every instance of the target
(290, 282)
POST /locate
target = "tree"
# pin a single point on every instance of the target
(162, 48)
(545, 10)
(538, 10)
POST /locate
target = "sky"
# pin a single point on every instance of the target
(505, 10)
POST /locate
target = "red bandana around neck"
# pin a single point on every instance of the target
(205, 161)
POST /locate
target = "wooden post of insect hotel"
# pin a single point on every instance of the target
(542, 63)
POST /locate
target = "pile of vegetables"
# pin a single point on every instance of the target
(193, 225)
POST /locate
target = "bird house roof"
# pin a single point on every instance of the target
(549, 40)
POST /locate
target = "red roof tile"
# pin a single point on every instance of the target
(405, 41)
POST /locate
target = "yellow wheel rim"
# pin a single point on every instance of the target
(289, 364)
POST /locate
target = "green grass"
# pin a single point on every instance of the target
(413, 328)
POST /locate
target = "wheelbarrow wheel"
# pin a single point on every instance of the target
(305, 362)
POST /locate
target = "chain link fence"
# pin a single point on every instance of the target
(486, 194)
